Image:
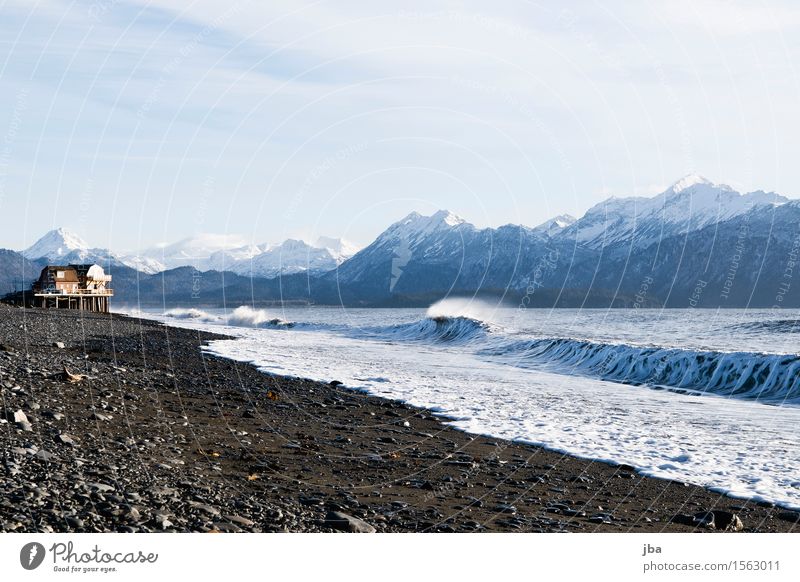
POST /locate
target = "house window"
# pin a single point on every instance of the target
(60, 274)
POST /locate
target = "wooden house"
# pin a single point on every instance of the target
(83, 287)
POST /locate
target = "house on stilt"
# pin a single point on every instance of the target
(82, 287)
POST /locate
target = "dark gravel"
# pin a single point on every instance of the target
(144, 433)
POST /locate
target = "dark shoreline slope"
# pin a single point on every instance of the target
(160, 437)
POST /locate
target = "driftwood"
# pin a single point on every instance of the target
(68, 376)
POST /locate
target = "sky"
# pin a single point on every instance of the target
(141, 123)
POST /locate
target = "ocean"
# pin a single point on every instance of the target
(708, 397)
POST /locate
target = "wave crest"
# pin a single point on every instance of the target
(441, 329)
(775, 326)
(245, 316)
(191, 313)
(746, 375)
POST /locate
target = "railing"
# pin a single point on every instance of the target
(64, 293)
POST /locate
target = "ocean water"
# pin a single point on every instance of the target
(706, 397)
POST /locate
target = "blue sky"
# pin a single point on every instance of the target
(138, 123)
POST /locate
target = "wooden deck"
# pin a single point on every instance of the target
(96, 302)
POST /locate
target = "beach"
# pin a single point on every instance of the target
(118, 424)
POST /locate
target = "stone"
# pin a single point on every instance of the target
(790, 516)
(133, 514)
(74, 522)
(66, 439)
(602, 518)
(704, 519)
(239, 520)
(506, 508)
(205, 508)
(715, 520)
(59, 345)
(45, 456)
(727, 521)
(344, 522)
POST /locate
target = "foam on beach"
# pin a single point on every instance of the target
(581, 397)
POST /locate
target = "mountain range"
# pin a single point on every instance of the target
(204, 252)
(697, 244)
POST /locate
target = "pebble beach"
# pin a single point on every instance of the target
(111, 423)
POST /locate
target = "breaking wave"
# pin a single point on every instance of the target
(245, 316)
(775, 326)
(440, 329)
(193, 314)
(240, 317)
(770, 378)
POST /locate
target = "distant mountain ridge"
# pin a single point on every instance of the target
(697, 244)
(690, 204)
(204, 252)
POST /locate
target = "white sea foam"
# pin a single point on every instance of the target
(245, 316)
(462, 307)
(191, 313)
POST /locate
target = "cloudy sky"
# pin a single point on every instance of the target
(135, 123)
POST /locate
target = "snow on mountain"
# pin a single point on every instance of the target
(63, 246)
(339, 248)
(55, 245)
(688, 181)
(232, 253)
(289, 257)
(220, 252)
(555, 225)
(416, 227)
(442, 238)
(146, 265)
(193, 251)
(224, 260)
(691, 203)
(444, 242)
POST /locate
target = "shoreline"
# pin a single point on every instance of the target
(162, 436)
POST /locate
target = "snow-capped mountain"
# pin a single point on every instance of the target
(205, 252)
(623, 251)
(193, 251)
(555, 225)
(145, 265)
(224, 260)
(443, 253)
(340, 249)
(690, 204)
(290, 257)
(56, 244)
(605, 255)
(66, 247)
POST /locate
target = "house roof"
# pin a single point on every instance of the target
(90, 271)
(70, 275)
